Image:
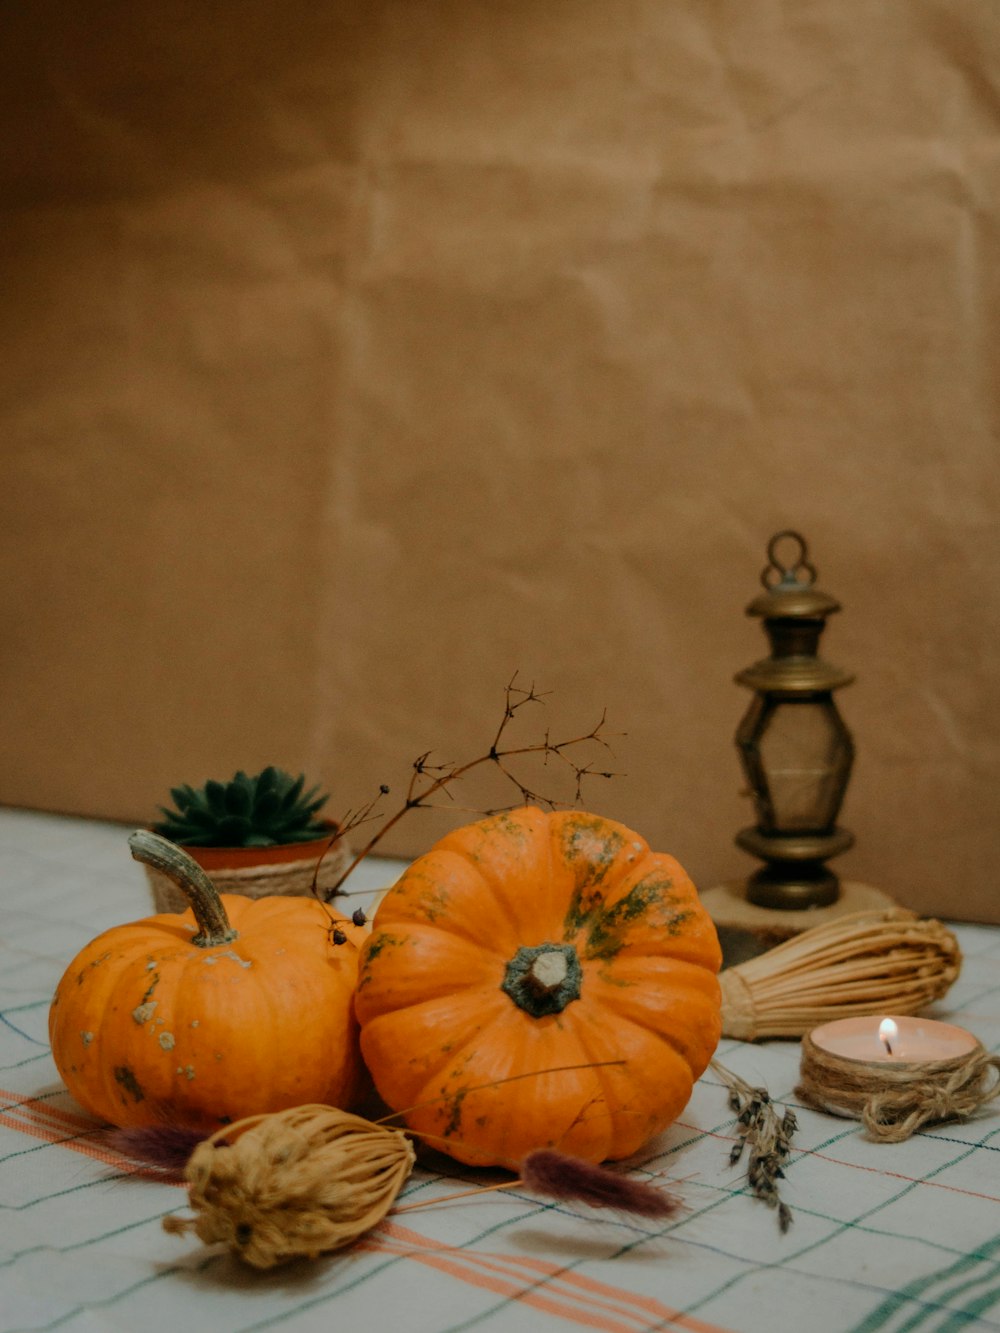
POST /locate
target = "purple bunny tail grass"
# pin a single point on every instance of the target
(162, 1150)
(568, 1178)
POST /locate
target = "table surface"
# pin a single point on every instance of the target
(884, 1237)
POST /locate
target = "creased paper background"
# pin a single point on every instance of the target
(355, 356)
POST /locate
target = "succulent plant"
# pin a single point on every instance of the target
(266, 809)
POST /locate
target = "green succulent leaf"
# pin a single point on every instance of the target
(256, 810)
(259, 840)
(215, 797)
(239, 799)
(232, 830)
(266, 808)
(291, 790)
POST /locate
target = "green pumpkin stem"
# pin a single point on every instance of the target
(164, 855)
(543, 979)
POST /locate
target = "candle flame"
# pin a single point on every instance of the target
(887, 1033)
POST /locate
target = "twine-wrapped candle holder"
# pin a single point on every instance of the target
(932, 1072)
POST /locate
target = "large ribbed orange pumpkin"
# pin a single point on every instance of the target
(556, 958)
(239, 1007)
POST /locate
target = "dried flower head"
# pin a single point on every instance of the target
(295, 1183)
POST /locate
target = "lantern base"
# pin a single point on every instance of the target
(794, 888)
(746, 929)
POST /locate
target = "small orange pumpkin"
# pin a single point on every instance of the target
(236, 1007)
(556, 958)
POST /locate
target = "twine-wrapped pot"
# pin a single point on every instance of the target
(874, 962)
(258, 872)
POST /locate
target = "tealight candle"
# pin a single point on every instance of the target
(896, 1073)
(906, 1039)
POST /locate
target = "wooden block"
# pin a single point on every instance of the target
(746, 930)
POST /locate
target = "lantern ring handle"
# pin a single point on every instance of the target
(776, 572)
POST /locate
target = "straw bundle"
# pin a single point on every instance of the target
(886, 961)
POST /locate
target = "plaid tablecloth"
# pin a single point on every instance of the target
(894, 1238)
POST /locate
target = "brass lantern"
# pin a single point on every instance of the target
(795, 750)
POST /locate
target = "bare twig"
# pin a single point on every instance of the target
(428, 780)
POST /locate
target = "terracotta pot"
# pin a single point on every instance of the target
(258, 872)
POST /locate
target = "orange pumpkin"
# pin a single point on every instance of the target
(237, 1007)
(556, 958)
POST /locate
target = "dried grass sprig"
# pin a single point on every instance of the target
(766, 1134)
(564, 1179)
(885, 961)
(162, 1150)
(568, 1179)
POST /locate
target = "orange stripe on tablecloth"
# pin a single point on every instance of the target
(38, 1106)
(508, 1266)
(448, 1262)
(614, 1297)
(647, 1303)
(80, 1144)
(898, 1175)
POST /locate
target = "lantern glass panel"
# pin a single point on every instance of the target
(799, 759)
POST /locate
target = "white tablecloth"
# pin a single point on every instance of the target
(900, 1237)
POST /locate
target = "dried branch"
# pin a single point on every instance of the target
(428, 780)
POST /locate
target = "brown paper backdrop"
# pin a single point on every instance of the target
(356, 355)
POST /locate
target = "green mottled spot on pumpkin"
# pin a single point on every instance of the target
(613, 979)
(652, 897)
(591, 848)
(435, 905)
(379, 942)
(376, 945)
(154, 981)
(453, 1105)
(514, 828)
(94, 962)
(127, 1080)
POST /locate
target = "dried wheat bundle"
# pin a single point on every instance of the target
(887, 961)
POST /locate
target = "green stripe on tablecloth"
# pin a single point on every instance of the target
(789, 1259)
(920, 1289)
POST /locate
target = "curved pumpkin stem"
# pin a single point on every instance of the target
(164, 855)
